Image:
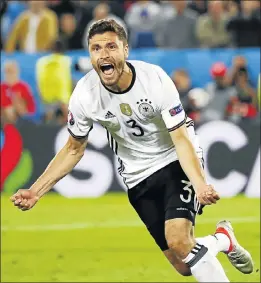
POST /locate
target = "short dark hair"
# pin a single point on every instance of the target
(107, 25)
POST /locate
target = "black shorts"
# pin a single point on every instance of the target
(166, 194)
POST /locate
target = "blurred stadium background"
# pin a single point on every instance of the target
(84, 230)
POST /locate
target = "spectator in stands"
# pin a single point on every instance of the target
(256, 10)
(245, 104)
(61, 7)
(238, 63)
(71, 38)
(199, 6)
(168, 10)
(193, 99)
(7, 113)
(245, 92)
(142, 16)
(54, 80)
(34, 30)
(182, 82)
(83, 15)
(182, 24)
(15, 92)
(101, 11)
(3, 8)
(86, 4)
(231, 7)
(11, 9)
(211, 28)
(220, 94)
(116, 8)
(245, 26)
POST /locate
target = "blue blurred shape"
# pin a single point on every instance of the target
(2, 139)
(144, 39)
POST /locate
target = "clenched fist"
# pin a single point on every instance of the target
(206, 195)
(24, 199)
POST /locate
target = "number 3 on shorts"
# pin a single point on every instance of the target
(188, 189)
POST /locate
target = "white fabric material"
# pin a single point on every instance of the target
(207, 269)
(30, 43)
(137, 120)
(223, 242)
(217, 244)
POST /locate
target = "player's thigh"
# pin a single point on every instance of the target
(178, 236)
(150, 208)
(181, 207)
(180, 200)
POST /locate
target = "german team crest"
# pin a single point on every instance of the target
(126, 109)
(146, 109)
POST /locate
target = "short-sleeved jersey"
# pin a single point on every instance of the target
(137, 120)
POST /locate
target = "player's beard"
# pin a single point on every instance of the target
(114, 79)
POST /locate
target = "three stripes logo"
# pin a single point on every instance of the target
(109, 115)
(198, 252)
(190, 123)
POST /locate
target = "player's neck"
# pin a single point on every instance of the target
(124, 81)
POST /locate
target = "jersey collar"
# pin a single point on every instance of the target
(132, 81)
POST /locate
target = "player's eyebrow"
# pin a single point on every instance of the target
(95, 45)
(106, 44)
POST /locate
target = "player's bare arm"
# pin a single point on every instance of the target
(191, 165)
(60, 166)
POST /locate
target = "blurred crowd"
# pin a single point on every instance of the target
(229, 96)
(61, 25)
(32, 26)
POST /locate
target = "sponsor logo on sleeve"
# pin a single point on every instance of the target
(176, 110)
(71, 120)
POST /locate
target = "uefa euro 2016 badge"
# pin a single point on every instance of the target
(145, 108)
(70, 118)
(126, 109)
(176, 110)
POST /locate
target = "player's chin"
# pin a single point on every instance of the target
(109, 80)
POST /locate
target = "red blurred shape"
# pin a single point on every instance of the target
(11, 152)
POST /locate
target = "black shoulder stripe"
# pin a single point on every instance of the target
(78, 137)
(178, 126)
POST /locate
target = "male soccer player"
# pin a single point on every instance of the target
(139, 106)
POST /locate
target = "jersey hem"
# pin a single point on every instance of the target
(78, 137)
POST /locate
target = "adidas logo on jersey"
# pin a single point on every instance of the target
(109, 115)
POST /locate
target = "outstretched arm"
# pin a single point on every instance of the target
(60, 166)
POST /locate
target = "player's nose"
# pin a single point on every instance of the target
(104, 54)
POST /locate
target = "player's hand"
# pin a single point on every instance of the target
(24, 199)
(206, 195)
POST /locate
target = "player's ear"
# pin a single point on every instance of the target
(126, 51)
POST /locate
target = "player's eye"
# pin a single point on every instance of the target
(96, 48)
(112, 46)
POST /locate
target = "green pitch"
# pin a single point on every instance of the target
(102, 240)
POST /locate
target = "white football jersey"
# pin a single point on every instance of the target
(137, 120)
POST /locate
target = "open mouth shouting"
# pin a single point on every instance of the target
(107, 70)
